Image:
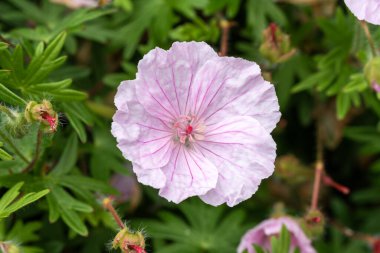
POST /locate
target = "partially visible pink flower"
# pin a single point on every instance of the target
(75, 4)
(262, 233)
(375, 86)
(194, 123)
(368, 10)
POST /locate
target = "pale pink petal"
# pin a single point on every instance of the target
(228, 86)
(188, 174)
(368, 10)
(74, 4)
(243, 152)
(261, 234)
(142, 138)
(167, 76)
(152, 177)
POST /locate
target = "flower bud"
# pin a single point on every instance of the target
(372, 73)
(44, 113)
(291, 170)
(9, 247)
(313, 223)
(129, 242)
(276, 45)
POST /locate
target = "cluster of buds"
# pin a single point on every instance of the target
(44, 113)
(276, 45)
(9, 247)
(372, 74)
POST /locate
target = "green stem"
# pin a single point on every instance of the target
(369, 37)
(37, 153)
(13, 146)
(8, 112)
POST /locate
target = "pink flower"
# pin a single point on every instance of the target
(194, 123)
(368, 10)
(74, 4)
(262, 233)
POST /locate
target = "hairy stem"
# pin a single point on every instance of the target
(5, 138)
(369, 37)
(225, 26)
(107, 203)
(36, 154)
(8, 112)
(319, 168)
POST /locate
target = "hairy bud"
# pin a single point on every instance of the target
(313, 223)
(372, 74)
(129, 241)
(42, 112)
(9, 247)
(276, 46)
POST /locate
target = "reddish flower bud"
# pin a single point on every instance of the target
(129, 242)
(313, 223)
(276, 45)
(43, 113)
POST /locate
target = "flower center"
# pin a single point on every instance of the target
(188, 129)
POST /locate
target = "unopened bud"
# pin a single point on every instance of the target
(372, 73)
(9, 247)
(42, 112)
(313, 223)
(291, 170)
(129, 242)
(276, 46)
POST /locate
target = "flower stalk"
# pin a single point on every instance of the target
(369, 37)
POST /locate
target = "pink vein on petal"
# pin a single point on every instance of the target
(163, 92)
(188, 166)
(166, 143)
(175, 164)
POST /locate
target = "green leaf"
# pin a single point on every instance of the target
(3, 45)
(68, 95)
(6, 208)
(51, 86)
(343, 105)
(68, 158)
(357, 83)
(8, 96)
(10, 195)
(26, 200)
(73, 181)
(66, 201)
(53, 209)
(4, 155)
(311, 81)
(72, 219)
(39, 66)
(78, 126)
